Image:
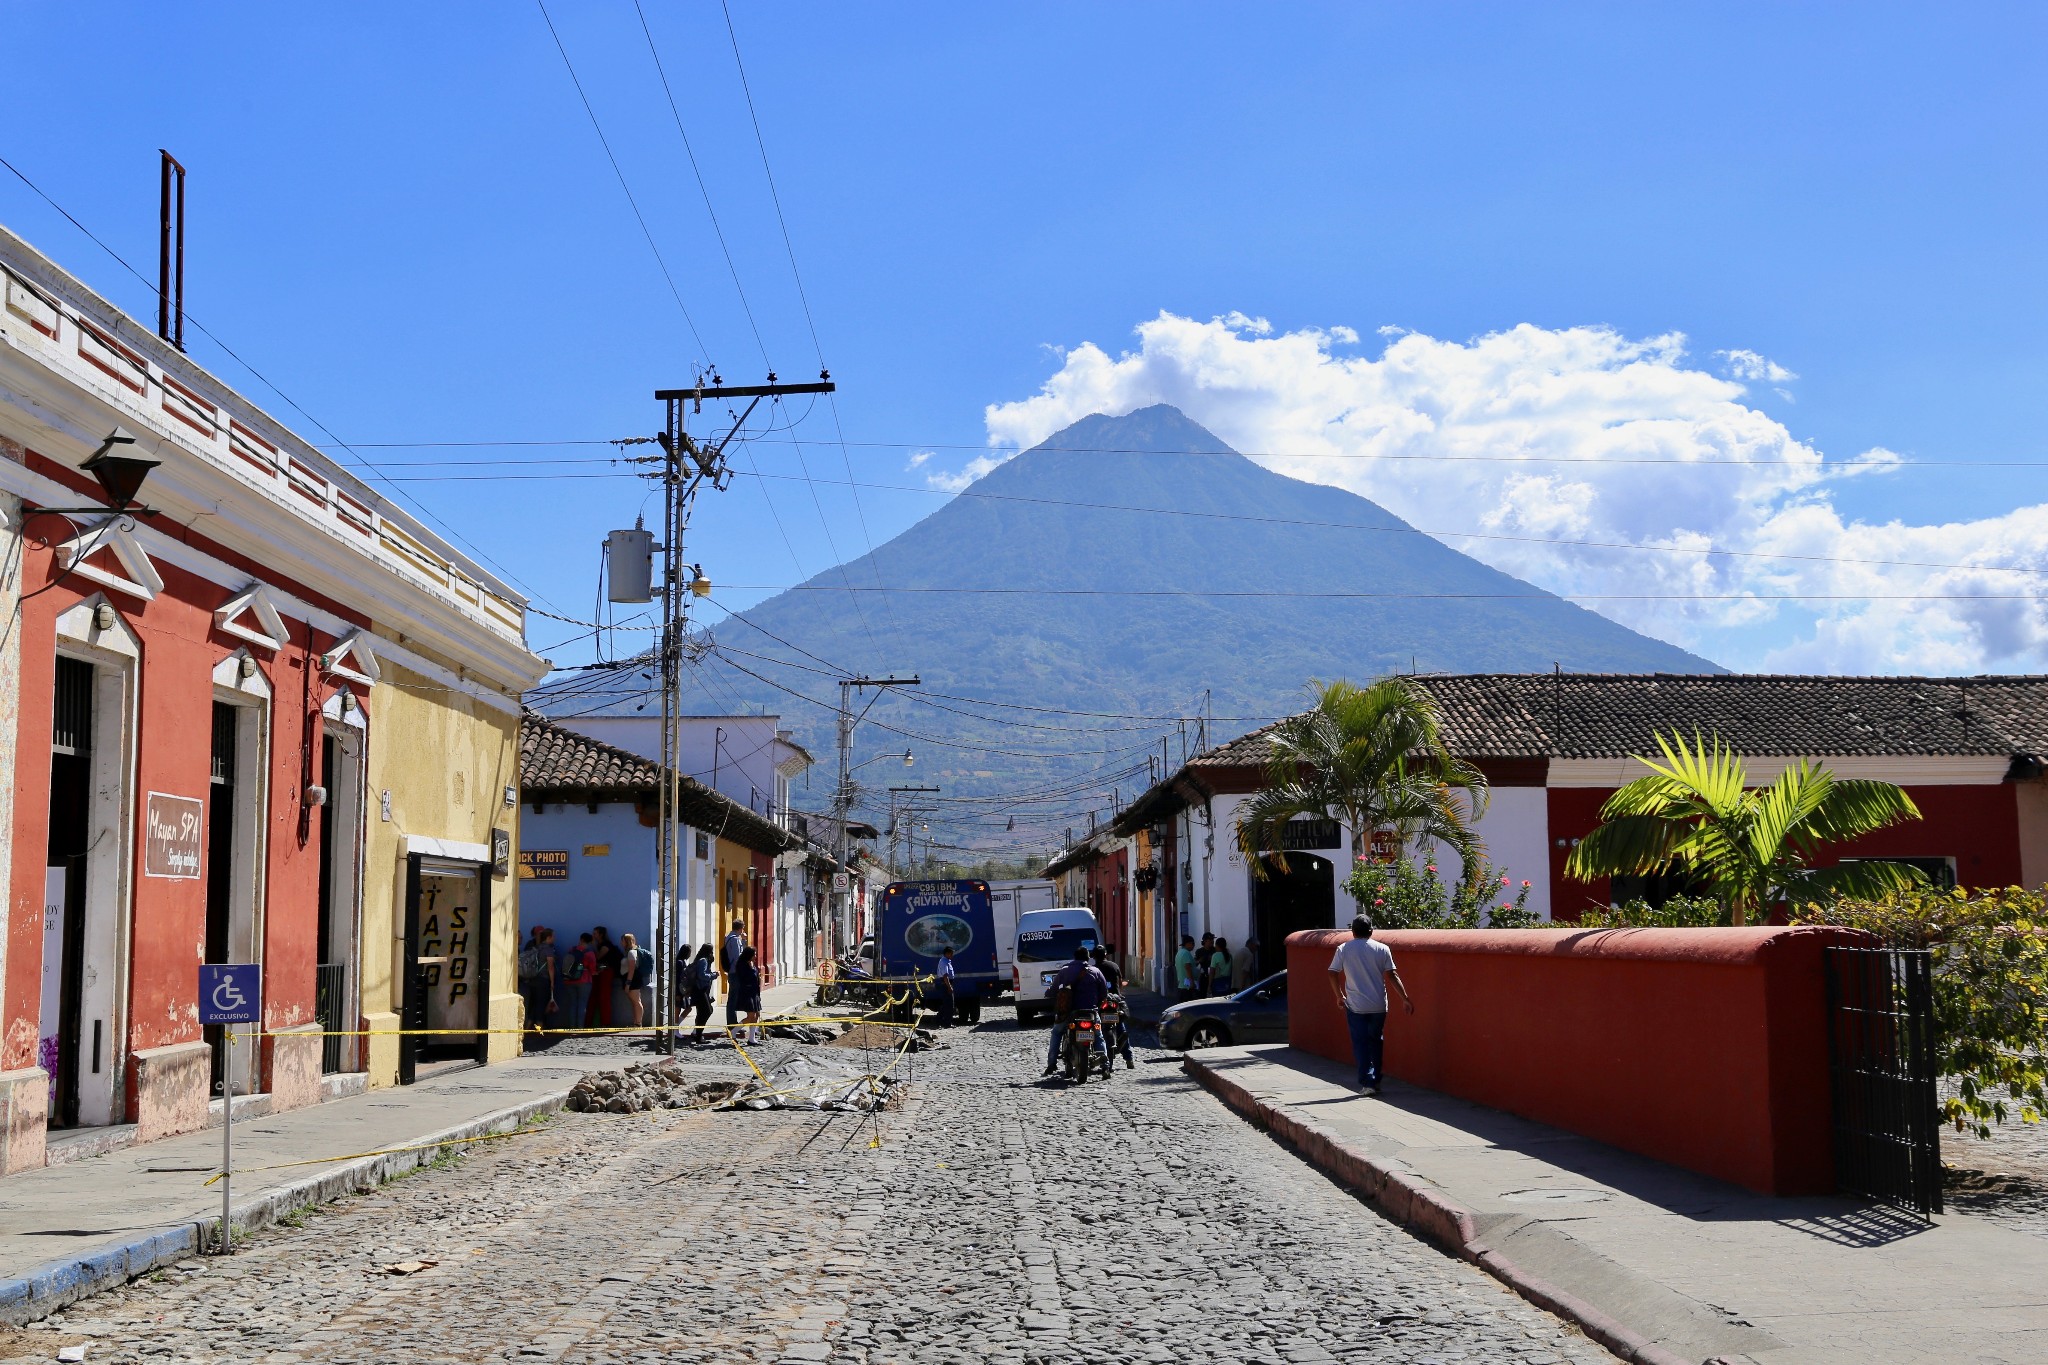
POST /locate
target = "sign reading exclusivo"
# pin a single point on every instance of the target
(173, 832)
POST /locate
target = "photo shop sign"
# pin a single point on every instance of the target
(173, 831)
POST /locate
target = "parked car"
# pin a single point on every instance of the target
(1256, 1014)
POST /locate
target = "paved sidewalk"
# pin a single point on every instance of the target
(67, 1231)
(1659, 1264)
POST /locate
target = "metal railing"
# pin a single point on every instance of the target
(330, 1003)
(1887, 1124)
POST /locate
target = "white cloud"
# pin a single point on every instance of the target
(918, 459)
(965, 475)
(1750, 365)
(1582, 434)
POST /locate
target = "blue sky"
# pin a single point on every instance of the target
(402, 216)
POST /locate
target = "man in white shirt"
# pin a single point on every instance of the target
(1359, 974)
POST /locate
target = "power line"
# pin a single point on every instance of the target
(334, 442)
(1439, 533)
(1822, 466)
(1539, 596)
(702, 188)
(638, 216)
(810, 321)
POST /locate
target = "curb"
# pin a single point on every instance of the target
(1426, 1211)
(51, 1286)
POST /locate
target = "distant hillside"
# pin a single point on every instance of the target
(1122, 612)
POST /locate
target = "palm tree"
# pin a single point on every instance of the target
(1753, 847)
(1372, 758)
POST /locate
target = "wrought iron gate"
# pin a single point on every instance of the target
(330, 1006)
(1881, 1065)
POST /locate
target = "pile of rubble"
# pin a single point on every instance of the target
(802, 1082)
(645, 1086)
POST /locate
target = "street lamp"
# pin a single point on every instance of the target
(908, 759)
(120, 475)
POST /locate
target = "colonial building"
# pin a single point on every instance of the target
(264, 717)
(590, 851)
(1969, 751)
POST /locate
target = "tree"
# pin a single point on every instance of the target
(1751, 848)
(1373, 759)
(1989, 952)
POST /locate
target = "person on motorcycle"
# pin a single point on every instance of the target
(1078, 989)
(1113, 976)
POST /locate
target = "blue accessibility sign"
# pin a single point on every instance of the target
(230, 993)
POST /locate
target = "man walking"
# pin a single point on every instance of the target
(1359, 974)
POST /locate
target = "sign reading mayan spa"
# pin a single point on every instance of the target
(544, 864)
(173, 831)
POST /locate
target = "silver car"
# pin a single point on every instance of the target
(1256, 1014)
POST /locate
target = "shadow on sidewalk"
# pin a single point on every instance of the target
(1841, 1220)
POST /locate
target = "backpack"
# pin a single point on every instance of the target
(572, 966)
(533, 960)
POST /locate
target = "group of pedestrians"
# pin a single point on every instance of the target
(1211, 968)
(699, 978)
(595, 983)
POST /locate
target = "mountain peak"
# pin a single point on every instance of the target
(1128, 566)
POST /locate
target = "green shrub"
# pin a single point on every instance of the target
(1679, 912)
(1400, 895)
(1990, 977)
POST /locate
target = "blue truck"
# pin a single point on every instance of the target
(920, 919)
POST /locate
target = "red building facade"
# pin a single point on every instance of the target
(186, 680)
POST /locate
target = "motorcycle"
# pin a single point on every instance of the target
(1116, 1028)
(850, 981)
(1082, 1051)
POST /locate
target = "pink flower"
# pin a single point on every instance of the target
(1432, 867)
(1504, 882)
(1379, 902)
(1525, 883)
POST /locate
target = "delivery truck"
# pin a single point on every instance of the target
(919, 920)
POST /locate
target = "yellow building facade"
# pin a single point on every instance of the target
(440, 896)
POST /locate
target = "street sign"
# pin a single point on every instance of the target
(230, 993)
(841, 881)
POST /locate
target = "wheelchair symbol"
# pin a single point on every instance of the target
(228, 997)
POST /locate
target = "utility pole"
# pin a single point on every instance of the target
(909, 810)
(843, 791)
(686, 465)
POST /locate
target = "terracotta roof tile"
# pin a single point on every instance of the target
(556, 763)
(1580, 715)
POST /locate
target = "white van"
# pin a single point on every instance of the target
(1046, 940)
(1008, 900)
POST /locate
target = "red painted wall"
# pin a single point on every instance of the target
(172, 746)
(1705, 1048)
(1107, 897)
(1978, 826)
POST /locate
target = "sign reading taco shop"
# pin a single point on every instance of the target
(173, 832)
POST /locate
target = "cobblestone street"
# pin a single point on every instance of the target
(1000, 1219)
